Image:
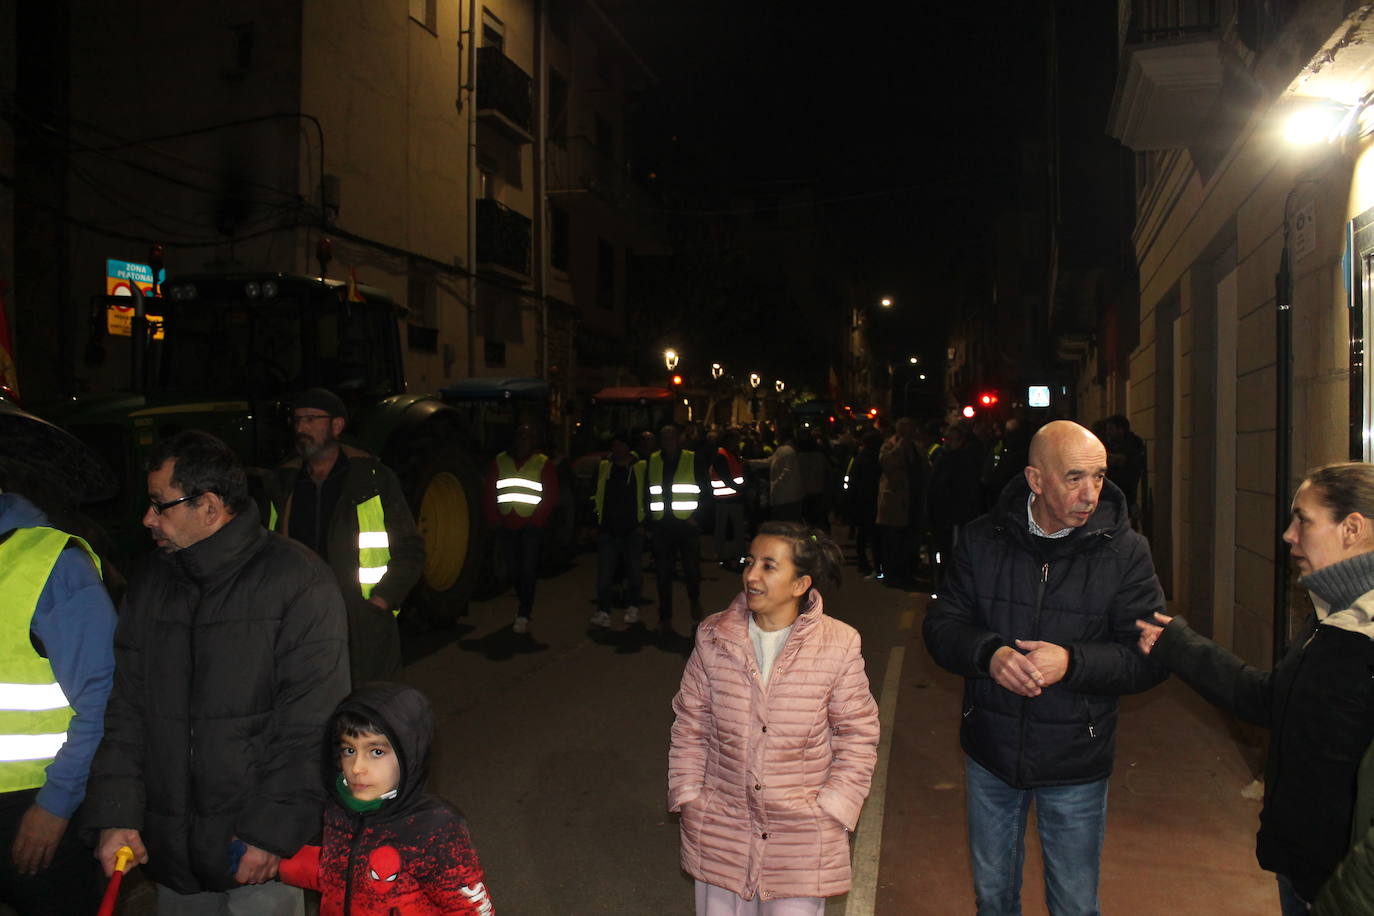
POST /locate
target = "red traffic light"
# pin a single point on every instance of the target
(968, 411)
(677, 380)
(988, 399)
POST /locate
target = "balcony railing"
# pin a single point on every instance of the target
(503, 93)
(503, 237)
(1166, 20)
(576, 165)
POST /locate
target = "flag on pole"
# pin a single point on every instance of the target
(353, 294)
(9, 375)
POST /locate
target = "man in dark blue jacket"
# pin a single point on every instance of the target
(1038, 614)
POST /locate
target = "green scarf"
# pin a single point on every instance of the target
(356, 805)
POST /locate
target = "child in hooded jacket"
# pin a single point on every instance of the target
(389, 848)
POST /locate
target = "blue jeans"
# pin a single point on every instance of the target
(1071, 821)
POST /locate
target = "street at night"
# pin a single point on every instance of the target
(432, 435)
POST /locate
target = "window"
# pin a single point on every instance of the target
(605, 67)
(558, 238)
(422, 333)
(558, 19)
(494, 354)
(605, 274)
(493, 31)
(558, 106)
(239, 51)
(424, 12)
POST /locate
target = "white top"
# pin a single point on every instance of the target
(767, 645)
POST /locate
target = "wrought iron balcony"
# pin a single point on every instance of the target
(504, 98)
(503, 238)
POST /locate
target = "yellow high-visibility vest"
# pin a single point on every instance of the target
(374, 546)
(34, 712)
(603, 473)
(519, 489)
(684, 494)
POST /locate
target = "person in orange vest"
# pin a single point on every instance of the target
(727, 493)
(521, 493)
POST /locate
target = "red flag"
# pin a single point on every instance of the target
(9, 375)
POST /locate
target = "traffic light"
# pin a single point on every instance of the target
(988, 398)
(968, 411)
(677, 381)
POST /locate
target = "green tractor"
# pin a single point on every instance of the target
(226, 353)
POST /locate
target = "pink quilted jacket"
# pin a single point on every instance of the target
(769, 779)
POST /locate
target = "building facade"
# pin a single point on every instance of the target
(415, 135)
(1254, 258)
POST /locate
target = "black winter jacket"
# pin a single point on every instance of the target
(411, 856)
(1319, 702)
(1083, 592)
(374, 642)
(230, 656)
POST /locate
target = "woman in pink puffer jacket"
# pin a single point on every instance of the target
(775, 739)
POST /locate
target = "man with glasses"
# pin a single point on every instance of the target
(230, 656)
(348, 507)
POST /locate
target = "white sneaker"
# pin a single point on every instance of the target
(632, 615)
(601, 619)
(521, 625)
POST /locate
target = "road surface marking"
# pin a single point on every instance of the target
(868, 840)
(908, 620)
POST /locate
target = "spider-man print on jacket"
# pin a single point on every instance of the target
(410, 857)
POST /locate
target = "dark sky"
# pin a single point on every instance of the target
(904, 115)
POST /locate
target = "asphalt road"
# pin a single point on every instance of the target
(556, 747)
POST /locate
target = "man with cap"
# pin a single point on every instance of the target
(348, 507)
(56, 665)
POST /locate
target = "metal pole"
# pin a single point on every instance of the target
(1283, 412)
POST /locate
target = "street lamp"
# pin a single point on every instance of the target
(913, 360)
(717, 370)
(754, 379)
(779, 385)
(885, 302)
(670, 358)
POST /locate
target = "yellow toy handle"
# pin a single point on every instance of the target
(122, 858)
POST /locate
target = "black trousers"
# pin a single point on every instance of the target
(71, 884)
(522, 562)
(675, 538)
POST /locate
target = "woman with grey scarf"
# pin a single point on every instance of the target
(1319, 700)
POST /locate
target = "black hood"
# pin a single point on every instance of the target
(405, 717)
(1111, 518)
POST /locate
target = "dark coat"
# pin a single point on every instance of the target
(1319, 703)
(1083, 592)
(412, 855)
(230, 656)
(374, 642)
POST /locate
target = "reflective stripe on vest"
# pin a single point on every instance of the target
(34, 711)
(374, 546)
(724, 489)
(684, 489)
(603, 474)
(519, 489)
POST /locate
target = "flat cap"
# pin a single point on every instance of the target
(321, 399)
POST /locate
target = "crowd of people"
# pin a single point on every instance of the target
(234, 730)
